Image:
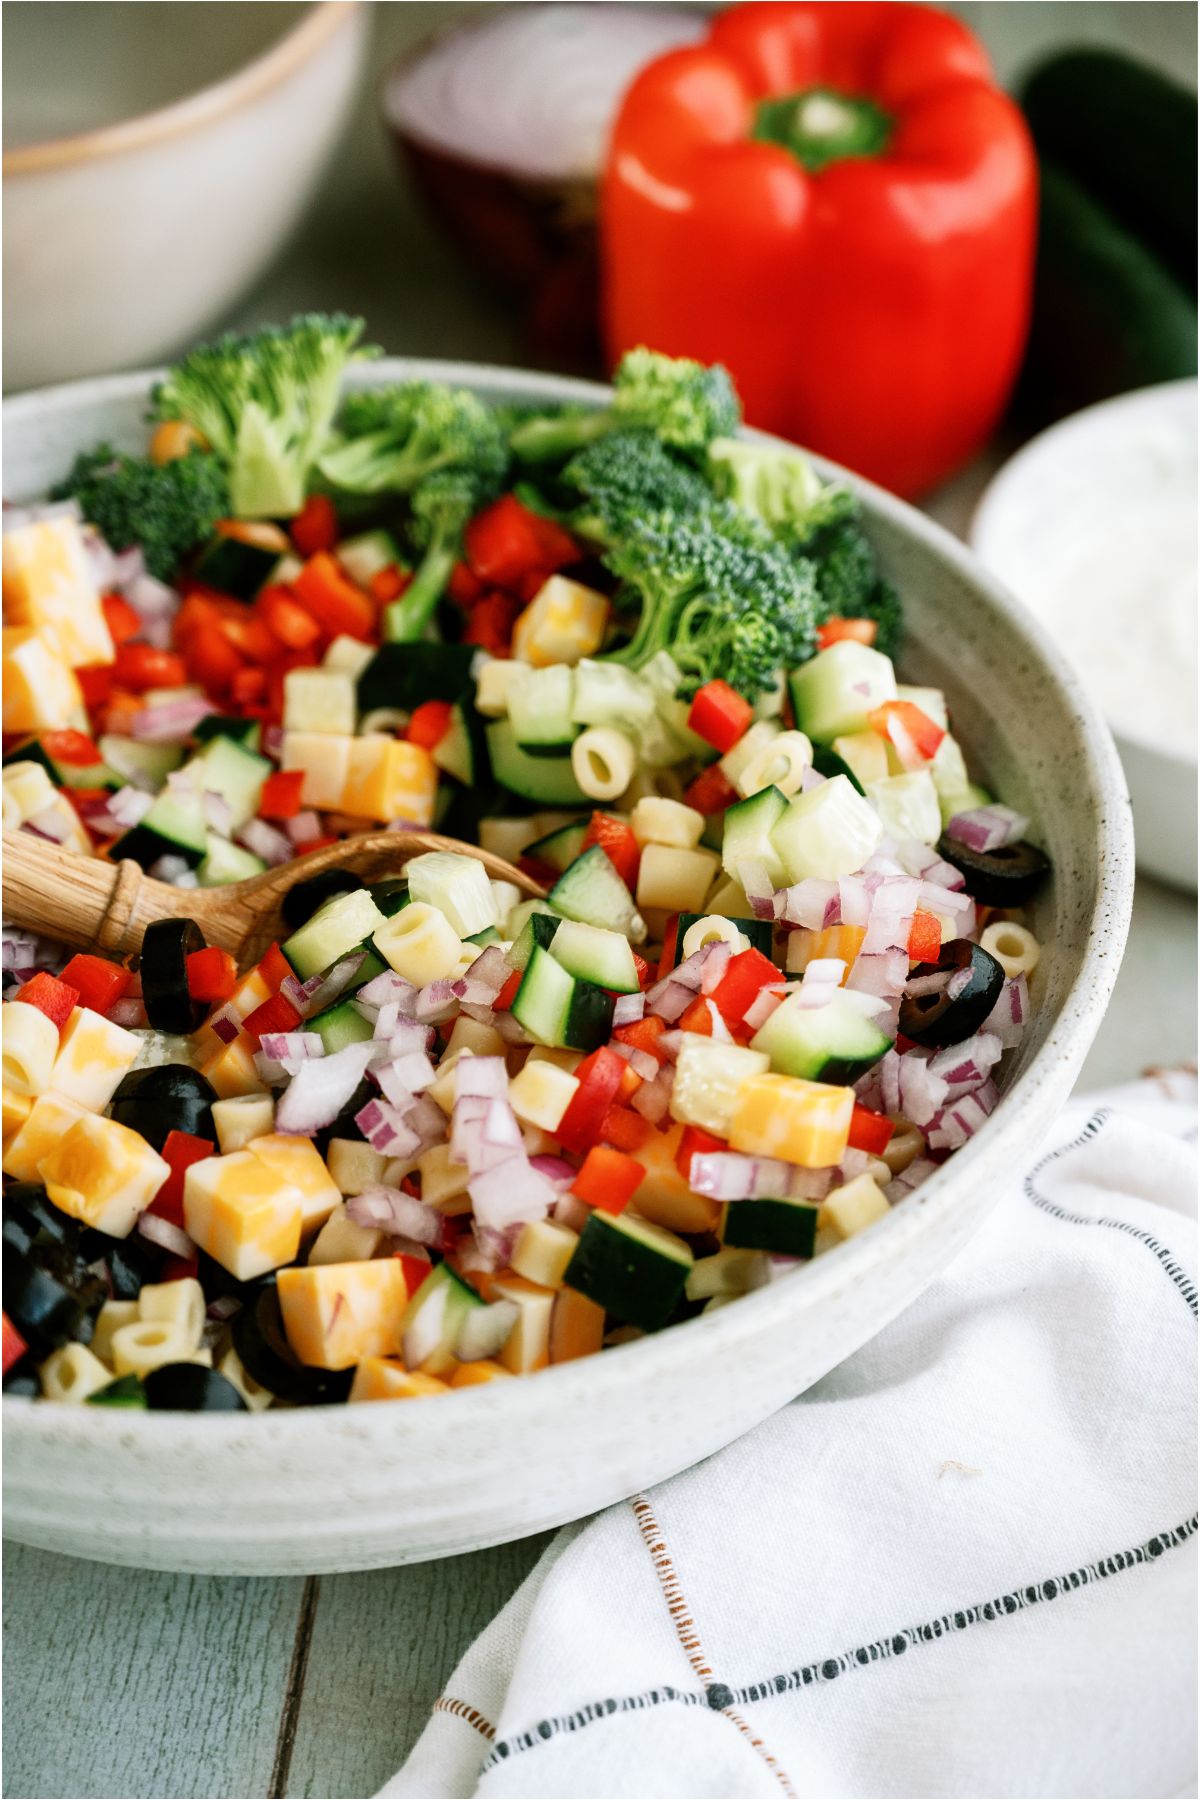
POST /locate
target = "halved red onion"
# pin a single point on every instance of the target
(628, 1009)
(171, 1238)
(320, 1089)
(986, 828)
(397, 1214)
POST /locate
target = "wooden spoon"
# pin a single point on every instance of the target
(94, 904)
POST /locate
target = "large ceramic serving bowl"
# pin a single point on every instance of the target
(352, 1487)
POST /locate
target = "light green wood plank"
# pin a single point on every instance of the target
(123, 1681)
(383, 1646)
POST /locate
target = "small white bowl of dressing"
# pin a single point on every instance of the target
(1093, 524)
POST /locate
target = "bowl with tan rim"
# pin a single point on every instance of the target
(352, 1487)
(156, 157)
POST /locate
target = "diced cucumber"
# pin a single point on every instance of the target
(908, 806)
(390, 894)
(402, 675)
(830, 760)
(836, 1042)
(342, 924)
(484, 938)
(148, 765)
(748, 839)
(597, 955)
(462, 751)
(558, 1009)
(758, 932)
(174, 826)
(592, 892)
(829, 831)
(232, 566)
(535, 932)
(548, 780)
(368, 554)
(539, 710)
(787, 1227)
(457, 885)
(247, 732)
(607, 694)
(433, 1319)
(633, 1269)
(64, 774)
(237, 774)
(340, 1025)
(226, 862)
(559, 849)
(832, 694)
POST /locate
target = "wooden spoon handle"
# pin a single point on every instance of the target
(84, 901)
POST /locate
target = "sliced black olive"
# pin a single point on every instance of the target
(49, 1309)
(390, 895)
(169, 1097)
(936, 1019)
(23, 1379)
(268, 1358)
(126, 1390)
(1005, 877)
(130, 1262)
(166, 946)
(190, 1387)
(827, 762)
(301, 901)
(31, 1219)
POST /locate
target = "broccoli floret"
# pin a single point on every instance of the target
(686, 404)
(441, 507)
(166, 509)
(391, 439)
(723, 605)
(264, 403)
(628, 476)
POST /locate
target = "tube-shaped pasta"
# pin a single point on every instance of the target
(176, 1303)
(148, 1344)
(712, 930)
(420, 944)
(903, 1147)
(30, 1047)
(780, 763)
(603, 761)
(1015, 949)
(73, 1373)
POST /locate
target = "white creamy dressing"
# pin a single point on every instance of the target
(1095, 528)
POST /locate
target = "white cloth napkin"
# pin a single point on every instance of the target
(962, 1564)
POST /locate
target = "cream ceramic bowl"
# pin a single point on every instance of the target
(353, 1487)
(121, 242)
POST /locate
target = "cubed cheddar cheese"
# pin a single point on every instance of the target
(103, 1173)
(576, 1326)
(252, 991)
(663, 1196)
(338, 1314)
(543, 1250)
(475, 1374)
(28, 790)
(48, 584)
(562, 623)
(319, 701)
(93, 1055)
(297, 1161)
(802, 1122)
(528, 1344)
(541, 1093)
(49, 1118)
(242, 1213)
(40, 690)
(325, 762)
(341, 1240)
(30, 1047)
(231, 1069)
(384, 1378)
(16, 1109)
(388, 778)
(853, 1206)
(241, 1118)
(443, 1183)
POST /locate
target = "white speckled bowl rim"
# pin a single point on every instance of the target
(557, 1390)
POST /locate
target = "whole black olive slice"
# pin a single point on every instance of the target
(1005, 877)
(301, 901)
(937, 1019)
(190, 1387)
(168, 1097)
(166, 946)
(268, 1358)
(49, 1309)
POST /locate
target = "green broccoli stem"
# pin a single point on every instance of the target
(553, 440)
(406, 619)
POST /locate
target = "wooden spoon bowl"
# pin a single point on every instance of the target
(94, 904)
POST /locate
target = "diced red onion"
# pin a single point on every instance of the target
(225, 1024)
(884, 975)
(297, 1044)
(921, 1090)
(628, 1009)
(557, 1170)
(571, 1211)
(1009, 1016)
(167, 1236)
(396, 1213)
(19, 949)
(320, 1089)
(669, 1000)
(218, 814)
(901, 1185)
(489, 970)
(941, 874)
(811, 778)
(150, 597)
(319, 991)
(480, 1078)
(959, 1120)
(128, 807)
(52, 823)
(510, 1193)
(223, 1308)
(809, 1184)
(435, 1002)
(427, 1119)
(813, 903)
(272, 741)
(127, 566)
(918, 986)
(729, 1175)
(715, 965)
(171, 721)
(405, 1077)
(854, 901)
(386, 1130)
(965, 1067)
(305, 827)
(128, 1013)
(764, 1003)
(640, 1061)
(986, 828)
(261, 839)
(390, 987)
(653, 1098)
(168, 868)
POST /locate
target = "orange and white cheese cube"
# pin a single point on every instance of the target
(49, 584)
(14, 1110)
(49, 1119)
(103, 1173)
(338, 1314)
(231, 1069)
(40, 689)
(382, 1378)
(93, 1055)
(242, 1213)
(803, 1122)
(562, 623)
(390, 779)
(527, 1346)
(30, 1047)
(297, 1161)
(324, 761)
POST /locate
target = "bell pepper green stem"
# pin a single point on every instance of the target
(821, 126)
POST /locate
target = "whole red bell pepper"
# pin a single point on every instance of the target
(837, 203)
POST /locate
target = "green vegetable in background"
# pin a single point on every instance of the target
(1115, 294)
(167, 509)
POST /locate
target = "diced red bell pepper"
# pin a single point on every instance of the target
(711, 792)
(544, 873)
(913, 734)
(286, 619)
(275, 1014)
(74, 749)
(211, 659)
(415, 1268)
(698, 1017)
(643, 970)
(50, 996)
(666, 961)
(720, 715)
(631, 1081)
(142, 666)
(250, 636)
(341, 607)
(14, 1345)
(924, 937)
(315, 526)
(748, 972)
(211, 975)
(599, 1077)
(388, 584)
(429, 723)
(869, 1131)
(274, 967)
(98, 982)
(490, 625)
(624, 1129)
(841, 631)
(180, 1150)
(95, 684)
(180, 1268)
(281, 794)
(644, 1034)
(464, 586)
(608, 1179)
(248, 688)
(695, 1142)
(618, 843)
(506, 540)
(123, 620)
(508, 992)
